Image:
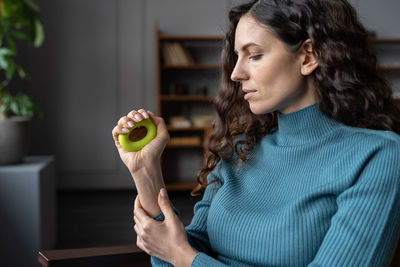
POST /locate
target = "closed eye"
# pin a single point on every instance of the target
(256, 57)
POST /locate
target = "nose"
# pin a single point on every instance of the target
(238, 74)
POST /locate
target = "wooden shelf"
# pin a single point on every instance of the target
(185, 142)
(193, 67)
(167, 37)
(385, 40)
(192, 128)
(186, 97)
(181, 186)
(184, 146)
(389, 67)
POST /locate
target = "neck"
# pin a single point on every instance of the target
(305, 97)
(303, 126)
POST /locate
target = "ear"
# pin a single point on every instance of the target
(309, 60)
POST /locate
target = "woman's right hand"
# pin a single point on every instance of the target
(150, 153)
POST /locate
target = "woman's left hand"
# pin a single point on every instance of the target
(165, 240)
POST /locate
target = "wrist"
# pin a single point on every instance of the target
(148, 170)
(184, 256)
(145, 166)
(148, 182)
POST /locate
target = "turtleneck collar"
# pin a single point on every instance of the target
(303, 126)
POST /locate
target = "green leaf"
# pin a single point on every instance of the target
(14, 108)
(39, 33)
(11, 45)
(21, 72)
(6, 100)
(19, 105)
(3, 62)
(19, 20)
(2, 12)
(19, 35)
(4, 51)
(4, 83)
(3, 109)
(8, 7)
(31, 5)
(10, 70)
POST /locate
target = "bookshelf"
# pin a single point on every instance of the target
(388, 53)
(187, 78)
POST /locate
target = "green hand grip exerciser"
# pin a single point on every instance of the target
(132, 141)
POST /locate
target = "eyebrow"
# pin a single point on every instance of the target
(246, 46)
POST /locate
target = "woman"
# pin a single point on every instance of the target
(304, 158)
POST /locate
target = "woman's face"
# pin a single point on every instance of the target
(272, 78)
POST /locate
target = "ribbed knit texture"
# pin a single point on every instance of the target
(313, 193)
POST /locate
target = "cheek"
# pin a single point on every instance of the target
(280, 78)
(277, 85)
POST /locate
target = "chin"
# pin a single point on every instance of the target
(262, 109)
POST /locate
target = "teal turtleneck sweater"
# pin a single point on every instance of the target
(314, 192)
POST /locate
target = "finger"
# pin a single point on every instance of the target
(139, 233)
(136, 206)
(144, 113)
(140, 213)
(142, 246)
(119, 130)
(137, 223)
(135, 115)
(126, 122)
(164, 204)
(118, 145)
(135, 211)
(138, 230)
(157, 120)
(139, 243)
(116, 132)
(137, 203)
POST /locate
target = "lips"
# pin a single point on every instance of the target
(248, 93)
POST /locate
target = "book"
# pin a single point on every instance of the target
(183, 54)
(166, 54)
(175, 54)
(202, 120)
(179, 122)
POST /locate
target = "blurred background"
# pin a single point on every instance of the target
(99, 60)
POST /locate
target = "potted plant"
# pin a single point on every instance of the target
(19, 23)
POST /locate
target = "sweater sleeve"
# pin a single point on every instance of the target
(364, 230)
(197, 230)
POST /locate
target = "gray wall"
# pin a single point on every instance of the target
(97, 64)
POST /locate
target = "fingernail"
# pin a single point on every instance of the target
(130, 124)
(163, 193)
(125, 130)
(146, 116)
(137, 117)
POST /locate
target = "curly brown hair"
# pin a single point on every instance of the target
(350, 88)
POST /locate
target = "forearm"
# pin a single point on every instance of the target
(185, 256)
(149, 180)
